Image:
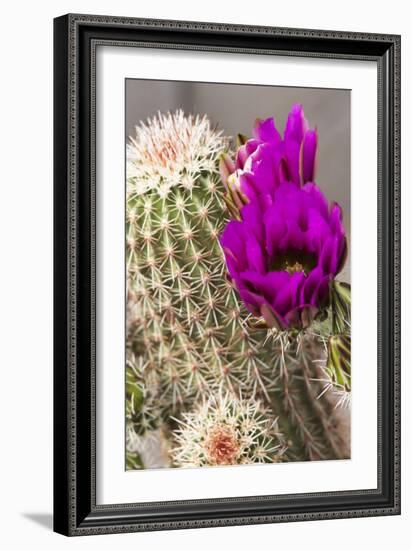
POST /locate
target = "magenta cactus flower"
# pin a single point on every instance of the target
(265, 161)
(288, 244)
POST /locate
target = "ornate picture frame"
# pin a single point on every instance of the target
(76, 40)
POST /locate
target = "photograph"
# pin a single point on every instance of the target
(238, 280)
(227, 275)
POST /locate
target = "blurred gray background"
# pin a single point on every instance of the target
(233, 108)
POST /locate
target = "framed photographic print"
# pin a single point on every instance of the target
(227, 276)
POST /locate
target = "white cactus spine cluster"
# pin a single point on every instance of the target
(226, 430)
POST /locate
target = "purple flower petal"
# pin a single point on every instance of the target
(267, 285)
(241, 156)
(296, 125)
(342, 253)
(286, 298)
(293, 239)
(233, 244)
(254, 254)
(293, 153)
(336, 217)
(265, 130)
(323, 292)
(311, 285)
(317, 232)
(252, 301)
(252, 145)
(329, 256)
(317, 200)
(275, 229)
(309, 154)
(247, 186)
(252, 216)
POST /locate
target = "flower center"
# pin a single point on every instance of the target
(294, 262)
(222, 445)
(293, 268)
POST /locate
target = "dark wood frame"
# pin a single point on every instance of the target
(76, 38)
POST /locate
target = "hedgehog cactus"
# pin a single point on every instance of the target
(226, 430)
(189, 335)
(184, 318)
